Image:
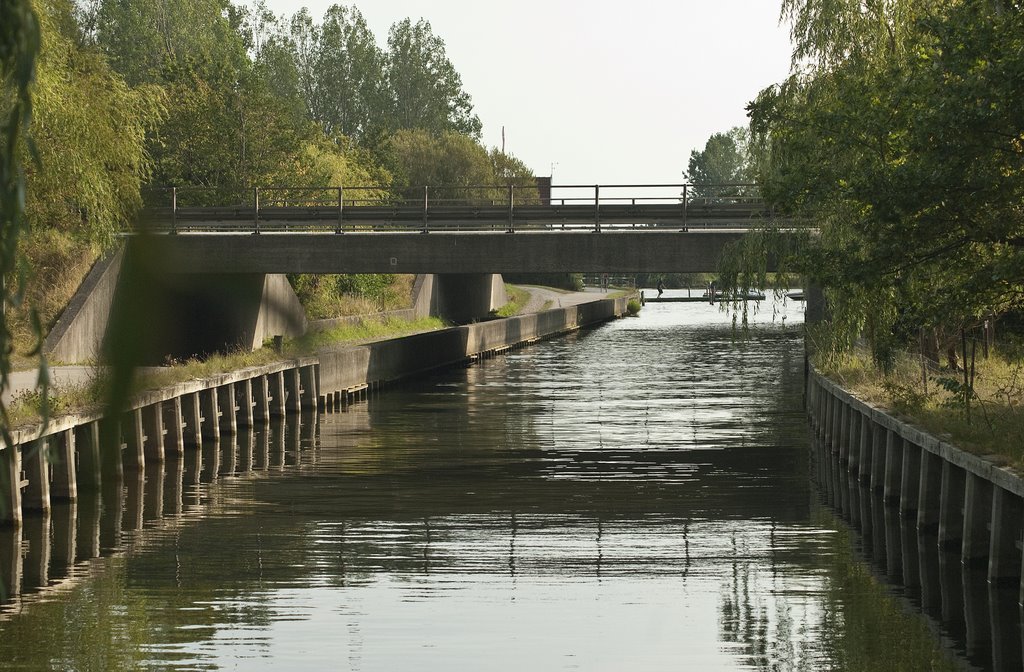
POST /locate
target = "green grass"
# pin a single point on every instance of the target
(518, 298)
(993, 422)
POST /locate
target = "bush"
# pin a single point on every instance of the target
(633, 307)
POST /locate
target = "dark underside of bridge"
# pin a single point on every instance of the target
(441, 252)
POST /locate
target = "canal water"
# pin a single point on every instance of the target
(634, 497)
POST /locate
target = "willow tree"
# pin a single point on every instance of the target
(19, 45)
(898, 138)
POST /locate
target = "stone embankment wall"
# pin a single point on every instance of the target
(974, 506)
(160, 425)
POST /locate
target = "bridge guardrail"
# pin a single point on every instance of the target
(509, 207)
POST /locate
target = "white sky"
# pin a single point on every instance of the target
(609, 92)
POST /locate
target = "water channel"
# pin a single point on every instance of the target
(638, 496)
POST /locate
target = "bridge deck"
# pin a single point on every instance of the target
(616, 250)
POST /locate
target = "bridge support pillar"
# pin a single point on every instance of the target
(464, 297)
(815, 308)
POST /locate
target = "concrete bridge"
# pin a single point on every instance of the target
(592, 228)
(204, 269)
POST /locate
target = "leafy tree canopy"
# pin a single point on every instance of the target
(424, 89)
(723, 160)
(900, 137)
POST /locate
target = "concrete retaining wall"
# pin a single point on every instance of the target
(385, 361)
(974, 505)
(79, 332)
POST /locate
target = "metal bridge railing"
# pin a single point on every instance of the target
(509, 207)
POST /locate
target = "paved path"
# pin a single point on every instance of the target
(539, 296)
(25, 381)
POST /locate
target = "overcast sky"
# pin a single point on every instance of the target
(605, 92)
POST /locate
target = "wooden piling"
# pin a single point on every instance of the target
(87, 448)
(132, 430)
(951, 502)
(867, 432)
(929, 495)
(910, 478)
(244, 395)
(37, 472)
(1004, 556)
(174, 427)
(893, 467)
(10, 479)
(228, 409)
(192, 412)
(153, 427)
(64, 473)
(977, 516)
(211, 413)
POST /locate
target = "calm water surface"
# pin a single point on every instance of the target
(637, 497)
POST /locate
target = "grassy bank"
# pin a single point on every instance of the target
(987, 420)
(517, 300)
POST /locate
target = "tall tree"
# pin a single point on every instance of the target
(723, 160)
(350, 75)
(142, 37)
(424, 88)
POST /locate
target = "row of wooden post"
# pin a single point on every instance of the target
(968, 512)
(42, 552)
(54, 466)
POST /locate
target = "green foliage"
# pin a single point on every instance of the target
(366, 330)
(724, 160)
(19, 46)
(328, 296)
(518, 298)
(633, 307)
(897, 139)
(350, 75)
(146, 40)
(92, 192)
(418, 157)
(424, 91)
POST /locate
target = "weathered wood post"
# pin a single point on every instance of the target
(10, 480)
(930, 495)
(893, 467)
(174, 426)
(37, 473)
(192, 411)
(228, 409)
(910, 480)
(977, 515)
(866, 438)
(1004, 557)
(211, 413)
(951, 502)
(153, 427)
(65, 477)
(132, 430)
(87, 447)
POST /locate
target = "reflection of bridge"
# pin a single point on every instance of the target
(649, 228)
